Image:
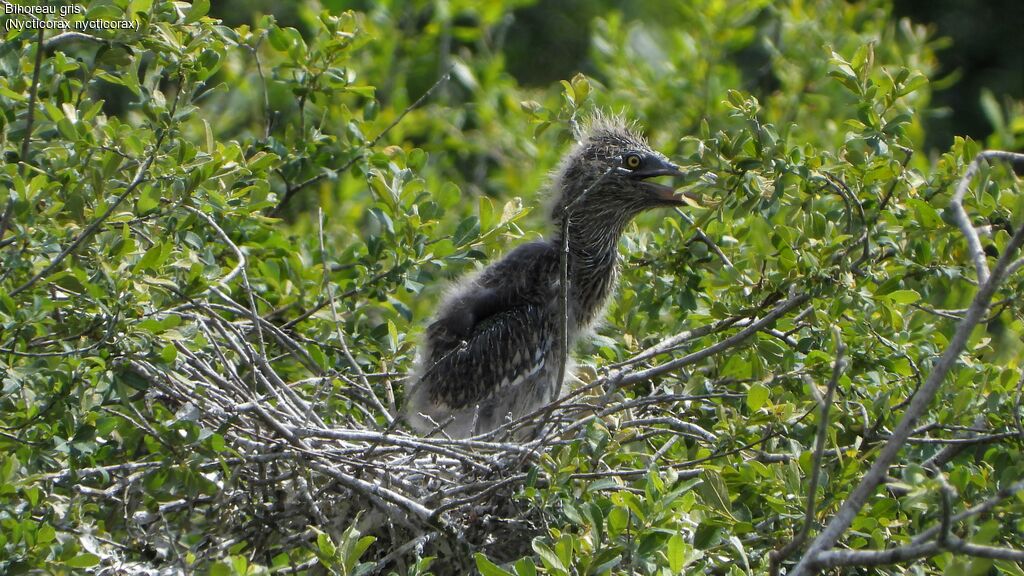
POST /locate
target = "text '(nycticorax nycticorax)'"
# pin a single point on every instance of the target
(494, 350)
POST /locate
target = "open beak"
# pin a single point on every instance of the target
(669, 194)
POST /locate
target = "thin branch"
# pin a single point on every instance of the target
(266, 96)
(140, 176)
(976, 510)
(291, 191)
(838, 365)
(674, 425)
(835, 558)
(947, 494)
(956, 204)
(329, 287)
(622, 378)
(30, 112)
(241, 264)
(563, 284)
(1017, 405)
(675, 342)
(65, 37)
(29, 120)
(908, 154)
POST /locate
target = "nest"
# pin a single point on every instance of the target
(287, 475)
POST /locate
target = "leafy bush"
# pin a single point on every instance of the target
(220, 246)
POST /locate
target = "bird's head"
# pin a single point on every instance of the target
(608, 175)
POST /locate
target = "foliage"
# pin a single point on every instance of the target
(218, 241)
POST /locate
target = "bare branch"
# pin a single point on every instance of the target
(956, 204)
(329, 287)
(623, 378)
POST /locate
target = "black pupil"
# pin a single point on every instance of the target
(633, 161)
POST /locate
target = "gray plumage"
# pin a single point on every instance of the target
(492, 352)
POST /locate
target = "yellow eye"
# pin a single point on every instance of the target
(632, 161)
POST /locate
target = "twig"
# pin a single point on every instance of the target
(241, 264)
(31, 110)
(329, 287)
(563, 284)
(908, 153)
(946, 493)
(835, 558)
(29, 120)
(1017, 405)
(291, 191)
(263, 82)
(674, 425)
(622, 378)
(976, 510)
(780, 555)
(956, 204)
(65, 37)
(675, 342)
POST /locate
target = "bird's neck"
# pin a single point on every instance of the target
(592, 265)
(590, 285)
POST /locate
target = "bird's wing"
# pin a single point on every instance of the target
(501, 351)
(495, 334)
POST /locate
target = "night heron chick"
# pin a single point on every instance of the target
(494, 350)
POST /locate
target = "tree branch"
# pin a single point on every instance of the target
(975, 312)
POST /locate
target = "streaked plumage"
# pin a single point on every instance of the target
(492, 352)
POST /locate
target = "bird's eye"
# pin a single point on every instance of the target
(631, 161)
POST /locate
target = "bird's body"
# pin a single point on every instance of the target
(494, 351)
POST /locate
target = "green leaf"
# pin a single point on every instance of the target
(198, 10)
(917, 80)
(153, 258)
(525, 567)
(393, 336)
(757, 396)
(82, 561)
(149, 200)
(548, 557)
(157, 326)
(45, 534)
(169, 354)
(488, 568)
(676, 552)
(325, 546)
(1011, 568)
(904, 296)
(361, 546)
(715, 493)
(468, 230)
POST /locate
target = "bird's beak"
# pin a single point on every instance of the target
(669, 194)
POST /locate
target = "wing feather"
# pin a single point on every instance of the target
(502, 351)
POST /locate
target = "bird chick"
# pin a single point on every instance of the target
(494, 350)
